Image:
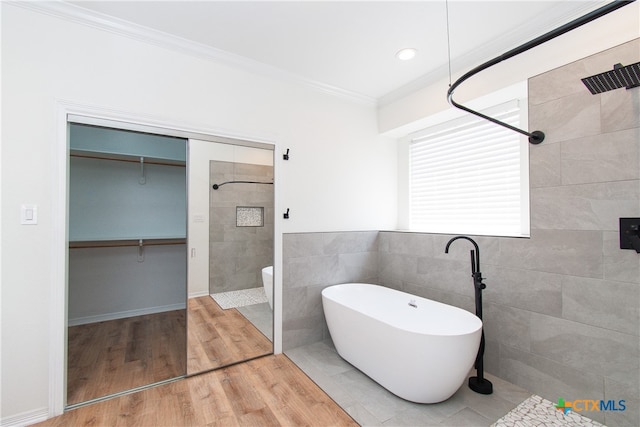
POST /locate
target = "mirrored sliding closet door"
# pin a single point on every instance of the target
(127, 261)
(231, 212)
(164, 271)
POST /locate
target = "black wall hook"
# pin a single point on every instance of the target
(285, 156)
(286, 214)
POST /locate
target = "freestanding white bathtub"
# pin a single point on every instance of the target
(418, 349)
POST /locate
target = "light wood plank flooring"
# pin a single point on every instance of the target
(268, 391)
(111, 356)
(220, 337)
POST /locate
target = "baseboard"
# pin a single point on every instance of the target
(124, 314)
(198, 294)
(25, 418)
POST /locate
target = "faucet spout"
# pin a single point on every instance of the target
(475, 261)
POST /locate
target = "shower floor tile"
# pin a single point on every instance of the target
(536, 411)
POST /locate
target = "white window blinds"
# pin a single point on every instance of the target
(470, 176)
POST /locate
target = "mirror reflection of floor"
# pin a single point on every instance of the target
(253, 304)
(219, 337)
(116, 355)
(261, 316)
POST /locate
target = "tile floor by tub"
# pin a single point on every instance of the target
(371, 405)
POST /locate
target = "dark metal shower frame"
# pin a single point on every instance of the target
(535, 137)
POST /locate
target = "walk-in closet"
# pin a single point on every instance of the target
(127, 260)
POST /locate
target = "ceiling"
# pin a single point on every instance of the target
(350, 46)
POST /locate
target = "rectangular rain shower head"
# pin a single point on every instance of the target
(621, 76)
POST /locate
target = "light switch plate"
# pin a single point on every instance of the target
(29, 214)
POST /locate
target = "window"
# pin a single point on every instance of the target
(470, 176)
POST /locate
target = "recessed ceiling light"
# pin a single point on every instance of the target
(406, 54)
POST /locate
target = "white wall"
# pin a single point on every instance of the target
(341, 176)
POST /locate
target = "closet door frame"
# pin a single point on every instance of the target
(68, 112)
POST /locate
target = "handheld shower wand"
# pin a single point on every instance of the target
(478, 383)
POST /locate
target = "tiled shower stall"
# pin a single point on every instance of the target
(561, 308)
(238, 252)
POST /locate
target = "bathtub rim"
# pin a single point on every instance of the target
(478, 323)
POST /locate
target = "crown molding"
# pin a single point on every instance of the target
(79, 15)
(492, 49)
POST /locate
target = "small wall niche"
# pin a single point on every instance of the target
(249, 216)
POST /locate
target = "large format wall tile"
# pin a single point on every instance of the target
(584, 207)
(313, 261)
(355, 242)
(619, 265)
(591, 349)
(616, 392)
(393, 269)
(572, 117)
(311, 271)
(620, 110)
(558, 83)
(602, 303)
(451, 276)
(507, 324)
(545, 165)
(577, 253)
(302, 245)
(536, 291)
(606, 157)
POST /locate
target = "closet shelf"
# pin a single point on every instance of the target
(112, 243)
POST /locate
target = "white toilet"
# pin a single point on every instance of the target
(267, 282)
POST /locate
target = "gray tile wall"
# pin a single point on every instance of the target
(313, 261)
(592, 344)
(562, 308)
(238, 254)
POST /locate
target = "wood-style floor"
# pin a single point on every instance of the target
(218, 337)
(268, 391)
(112, 356)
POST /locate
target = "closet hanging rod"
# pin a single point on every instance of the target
(128, 158)
(216, 186)
(535, 137)
(124, 242)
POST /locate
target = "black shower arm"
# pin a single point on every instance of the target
(535, 137)
(216, 186)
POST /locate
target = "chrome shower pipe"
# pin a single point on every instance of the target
(535, 137)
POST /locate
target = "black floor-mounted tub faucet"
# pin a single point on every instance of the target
(478, 383)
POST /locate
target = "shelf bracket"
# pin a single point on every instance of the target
(140, 251)
(143, 179)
